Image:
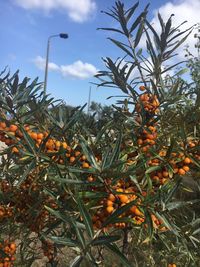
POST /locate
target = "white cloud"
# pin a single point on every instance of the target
(40, 64)
(77, 10)
(78, 69)
(183, 10)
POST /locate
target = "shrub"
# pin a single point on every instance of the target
(68, 188)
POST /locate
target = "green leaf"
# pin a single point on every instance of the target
(179, 204)
(111, 158)
(30, 167)
(58, 215)
(15, 85)
(110, 29)
(152, 169)
(157, 39)
(93, 195)
(121, 46)
(88, 153)
(138, 20)
(77, 261)
(86, 217)
(174, 189)
(181, 72)
(139, 34)
(149, 222)
(169, 52)
(130, 12)
(167, 223)
(64, 241)
(102, 240)
(29, 140)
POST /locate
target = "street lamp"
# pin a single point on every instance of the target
(61, 35)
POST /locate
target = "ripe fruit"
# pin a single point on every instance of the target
(140, 142)
(110, 209)
(187, 160)
(111, 197)
(165, 174)
(13, 128)
(109, 203)
(40, 136)
(90, 179)
(136, 211)
(72, 159)
(15, 150)
(181, 171)
(123, 198)
(33, 135)
(186, 168)
(142, 88)
(85, 165)
(3, 125)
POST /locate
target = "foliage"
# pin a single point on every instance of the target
(90, 186)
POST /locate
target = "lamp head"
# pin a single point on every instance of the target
(63, 35)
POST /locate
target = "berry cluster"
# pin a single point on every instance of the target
(9, 249)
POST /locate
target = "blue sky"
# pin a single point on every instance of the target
(26, 24)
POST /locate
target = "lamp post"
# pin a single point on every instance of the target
(61, 35)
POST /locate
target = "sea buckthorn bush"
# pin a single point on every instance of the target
(72, 195)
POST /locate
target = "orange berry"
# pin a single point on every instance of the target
(187, 160)
(111, 197)
(58, 144)
(13, 246)
(27, 128)
(140, 142)
(3, 125)
(33, 135)
(72, 159)
(123, 198)
(165, 174)
(142, 88)
(163, 180)
(85, 165)
(6, 249)
(145, 148)
(77, 153)
(152, 129)
(110, 209)
(83, 157)
(181, 171)
(39, 141)
(40, 136)
(13, 128)
(90, 179)
(191, 144)
(15, 150)
(109, 203)
(136, 211)
(162, 153)
(150, 136)
(186, 168)
(156, 178)
(64, 144)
